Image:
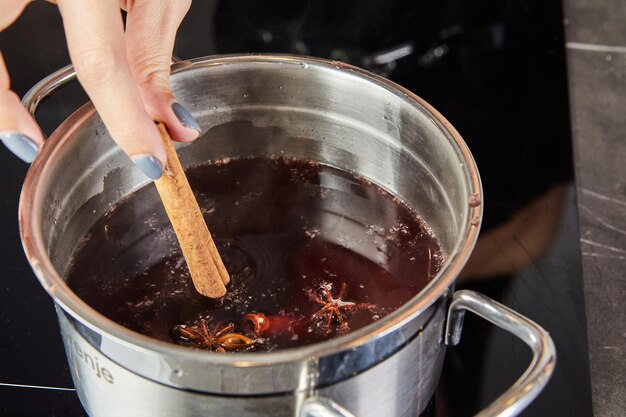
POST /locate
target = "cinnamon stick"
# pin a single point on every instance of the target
(203, 260)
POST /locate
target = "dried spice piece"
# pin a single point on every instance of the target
(332, 315)
(220, 339)
(264, 325)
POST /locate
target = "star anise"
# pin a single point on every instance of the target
(333, 310)
(219, 339)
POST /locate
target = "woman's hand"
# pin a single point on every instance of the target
(126, 75)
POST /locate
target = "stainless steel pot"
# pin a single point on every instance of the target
(293, 106)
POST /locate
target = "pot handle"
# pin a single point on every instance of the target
(322, 407)
(536, 376)
(516, 398)
(46, 87)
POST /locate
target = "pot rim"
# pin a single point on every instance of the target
(35, 249)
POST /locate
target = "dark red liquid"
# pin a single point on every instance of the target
(283, 228)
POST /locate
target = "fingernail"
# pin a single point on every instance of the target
(185, 117)
(21, 145)
(149, 165)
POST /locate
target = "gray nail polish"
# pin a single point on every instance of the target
(149, 165)
(185, 117)
(21, 145)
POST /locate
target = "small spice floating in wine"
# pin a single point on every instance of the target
(219, 339)
(331, 317)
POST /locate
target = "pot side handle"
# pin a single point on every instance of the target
(322, 407)
(49, 85)
(44, 88)
(536, 376)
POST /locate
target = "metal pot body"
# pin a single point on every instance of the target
(261, 106)
(399, 385)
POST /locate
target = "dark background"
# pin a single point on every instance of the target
(495, 69)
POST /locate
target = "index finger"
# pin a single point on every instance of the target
(95, 37)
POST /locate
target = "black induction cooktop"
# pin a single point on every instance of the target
(495, 69)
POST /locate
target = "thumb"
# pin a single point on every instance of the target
(151, 27)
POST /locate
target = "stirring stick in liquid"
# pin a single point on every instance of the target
(203, 260)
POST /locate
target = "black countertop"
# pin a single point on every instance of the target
(596, 51)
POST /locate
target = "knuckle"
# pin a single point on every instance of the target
(171, 8)
(153, 70)
(184, 5)
(96, 65)
(177, 6)
(156, 77)
(175, 11)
